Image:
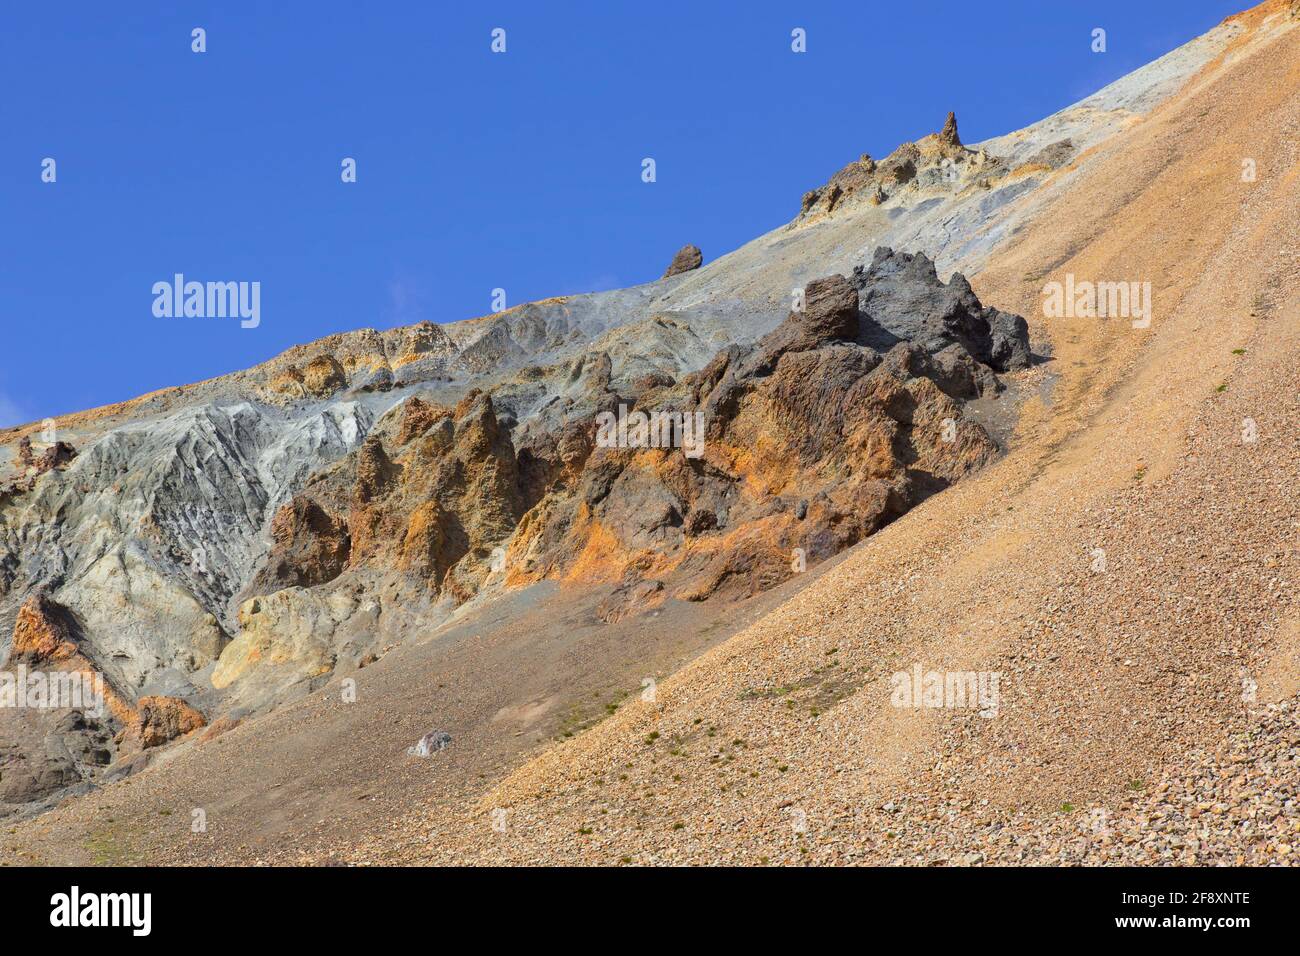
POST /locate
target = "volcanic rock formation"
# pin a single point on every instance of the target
(233, 544)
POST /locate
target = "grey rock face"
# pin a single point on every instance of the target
(155, 528)
(901, 297)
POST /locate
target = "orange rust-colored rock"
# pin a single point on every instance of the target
(161, 719)
(320, 377)
(417, 416)
(218, 727)
(323, 376)
(45, 636)
(42, 632)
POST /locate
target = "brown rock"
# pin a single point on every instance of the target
(424, 542)
(858, 177)
(161, 719)
(830, 314)
(53, 456)
(309, 546)
(288, 382)
(375, 472)
(687, 259)
(417, 416)
(948, 135)
(830, 309)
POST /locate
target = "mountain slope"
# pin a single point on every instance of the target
(995, 574)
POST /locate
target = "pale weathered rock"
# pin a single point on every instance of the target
(430, 744)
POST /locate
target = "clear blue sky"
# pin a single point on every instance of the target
(475, 170)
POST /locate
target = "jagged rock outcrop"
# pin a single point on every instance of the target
(687, 259)
(31, 465)
(902, 295)
(424, 500)
(321, 377)
(935, 165)
(831, 425)
(830, 311)
(83, 721)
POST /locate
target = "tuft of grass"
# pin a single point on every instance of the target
(1067, 808)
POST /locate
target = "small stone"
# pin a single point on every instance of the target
(430, 744)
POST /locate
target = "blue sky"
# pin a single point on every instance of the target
(475, 170)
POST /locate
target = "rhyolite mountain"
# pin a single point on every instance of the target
(215, 549)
